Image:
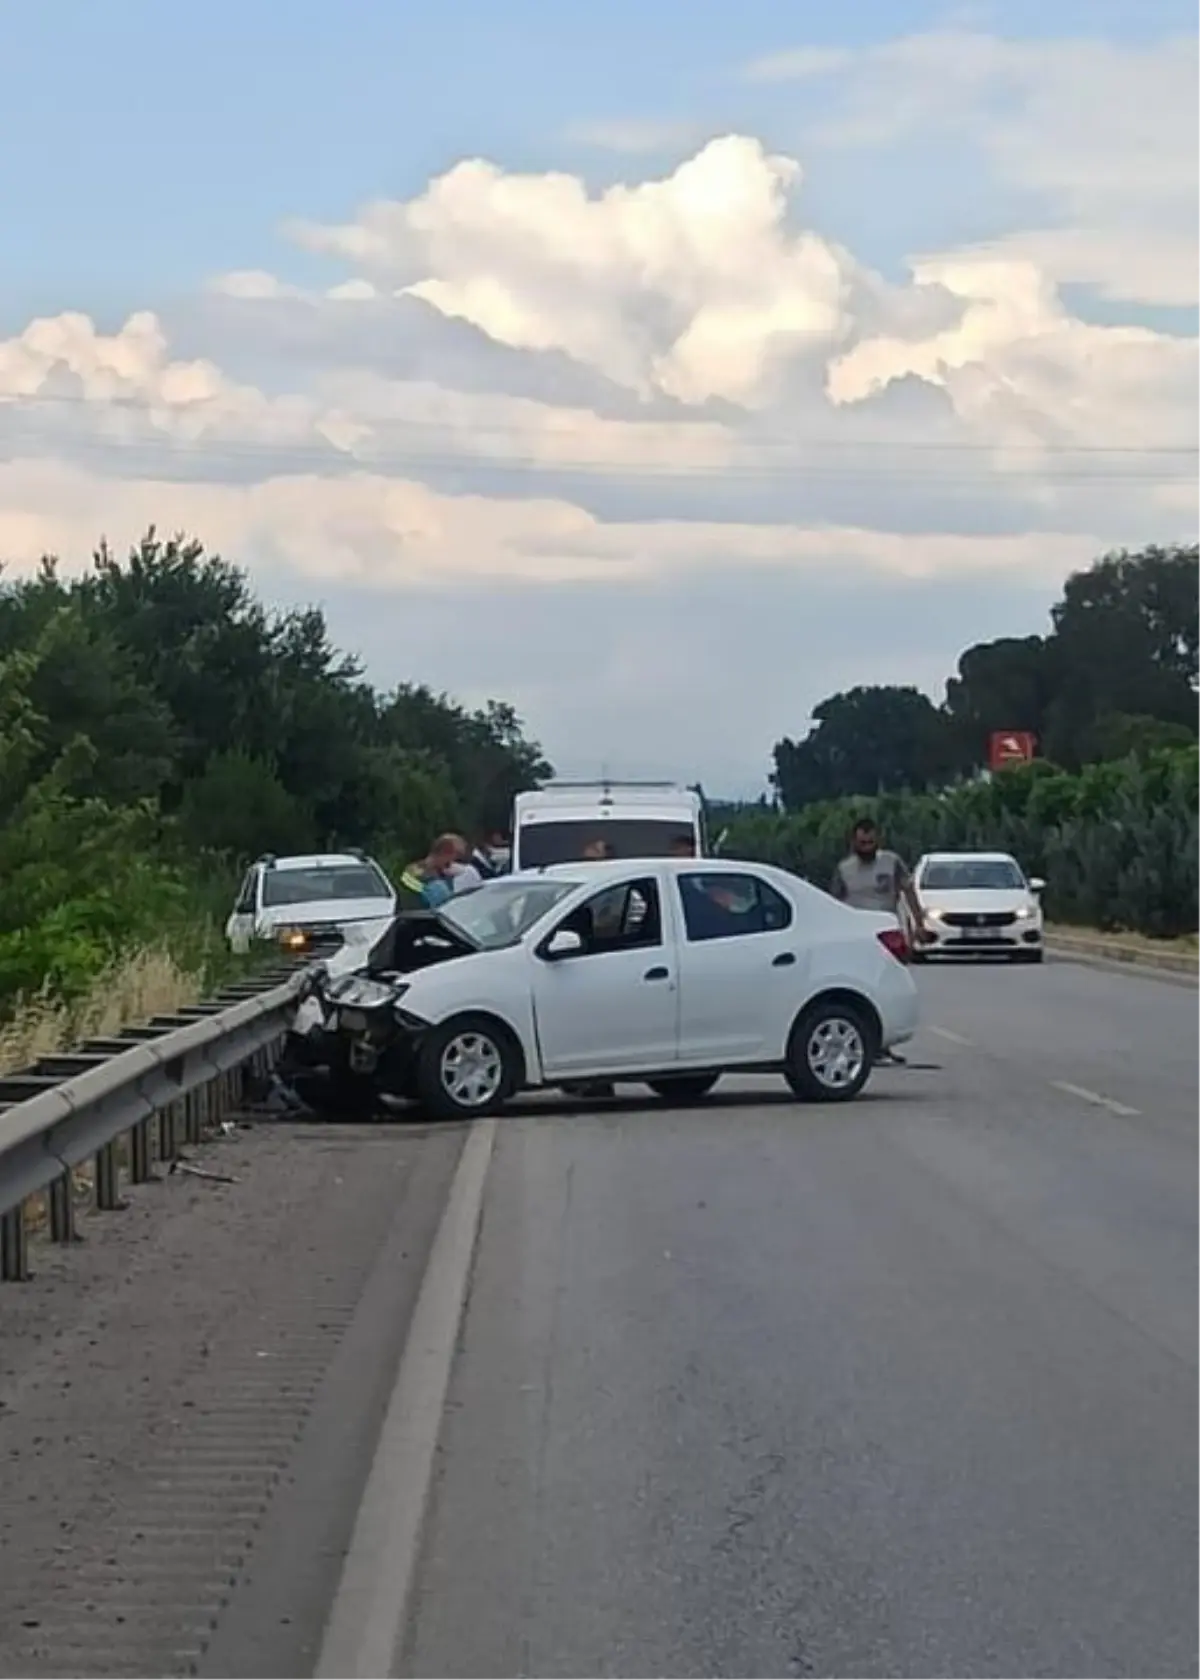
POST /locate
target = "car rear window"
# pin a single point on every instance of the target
(544, 843)
(308, 886)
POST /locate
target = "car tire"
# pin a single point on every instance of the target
(684, 1088)
(831, 1051)
(466, 1068)
(343, 1095)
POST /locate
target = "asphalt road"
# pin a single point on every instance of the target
(906, 1388)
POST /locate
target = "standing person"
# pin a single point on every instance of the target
(482, 863)
(429, 881)
(493, 854)
(870, 877)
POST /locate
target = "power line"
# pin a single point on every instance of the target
(194, 457)
(704, 428)
(731, 459)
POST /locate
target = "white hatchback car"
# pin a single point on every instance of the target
(297, 902)
(668, 972)
(978, 904)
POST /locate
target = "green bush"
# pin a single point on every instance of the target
(1117, 844)
(159, 727)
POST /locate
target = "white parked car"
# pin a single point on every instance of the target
(660, 971)
(976, 904)
(297, 902)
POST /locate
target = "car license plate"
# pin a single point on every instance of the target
(976, 936)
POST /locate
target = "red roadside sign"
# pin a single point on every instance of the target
(1010, 746)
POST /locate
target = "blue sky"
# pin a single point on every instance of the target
(145, 144)
(804, 423)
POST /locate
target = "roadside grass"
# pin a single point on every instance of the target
(146, 982)
(1187, 944)
(150, 982)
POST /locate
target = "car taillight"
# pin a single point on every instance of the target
(894, 942)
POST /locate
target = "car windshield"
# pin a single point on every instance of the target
(972, 875)
(544, 843)
(501, 912)
(323, 881)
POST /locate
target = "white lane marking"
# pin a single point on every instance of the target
(953, 1037)
(373, 1594)
(1096, 1099)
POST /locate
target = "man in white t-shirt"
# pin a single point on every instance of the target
(872, 878)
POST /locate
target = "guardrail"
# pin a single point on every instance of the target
(126, 1102)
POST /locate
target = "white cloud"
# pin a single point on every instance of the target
(1100, 136)
(396, 534)
(668, 422)
(680, 285)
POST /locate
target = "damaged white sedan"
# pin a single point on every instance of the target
(666, 972)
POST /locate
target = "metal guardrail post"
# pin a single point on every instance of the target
(14, 1247)
(108, 1179)
(193, 1116)
(140, 1167)
(168, 1142)
(60, 1200)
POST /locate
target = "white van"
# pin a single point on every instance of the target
(557, 823)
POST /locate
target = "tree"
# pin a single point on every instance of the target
(158, 725)
(868, 740)
(485, 753)
(239, 806)
(1005, 684)
(1122, 735)
(1125, 644)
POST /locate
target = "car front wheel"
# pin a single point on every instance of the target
(342, 1094)
(684, 1088)
(831, 1051)
(466, 1068)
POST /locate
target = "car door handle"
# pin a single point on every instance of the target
(657, 974)
(785, 959)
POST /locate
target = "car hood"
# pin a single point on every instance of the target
(325, 912)
(403, 944)
(413, 940)
(974, 901)
(358, 940)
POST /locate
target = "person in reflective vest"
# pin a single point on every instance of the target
(428, 882)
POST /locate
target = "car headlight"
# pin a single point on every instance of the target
(292, 938)
(1028, 913)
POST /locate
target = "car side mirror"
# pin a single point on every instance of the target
(564, 942)
(1036, 884)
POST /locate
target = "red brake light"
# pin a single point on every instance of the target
(894, 942)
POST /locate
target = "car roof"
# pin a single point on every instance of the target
(316, 860)
(585, 869)
(968, 857)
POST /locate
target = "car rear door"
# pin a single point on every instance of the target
(613, 1007)
(742, 967)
